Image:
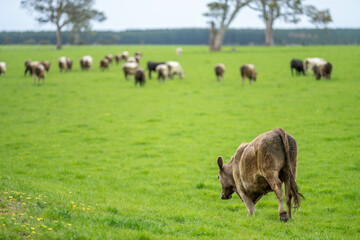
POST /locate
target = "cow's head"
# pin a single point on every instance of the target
(226, 179)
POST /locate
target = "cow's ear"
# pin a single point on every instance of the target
(220, 162)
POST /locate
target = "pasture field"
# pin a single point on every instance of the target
(88, 155)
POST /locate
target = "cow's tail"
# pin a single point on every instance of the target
(293, 186)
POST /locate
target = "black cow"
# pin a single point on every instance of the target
(152, 66)
(298, 65)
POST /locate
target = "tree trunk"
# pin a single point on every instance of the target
(269, 33)
(58, 38)
(216, 38)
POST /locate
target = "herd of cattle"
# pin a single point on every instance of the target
(320, 67)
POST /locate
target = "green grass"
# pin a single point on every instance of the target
(94, 157)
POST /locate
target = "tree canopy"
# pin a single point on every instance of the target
(77, 13)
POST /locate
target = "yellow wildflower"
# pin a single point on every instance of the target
(44, 226)
(5, 192)
(32, 228)
(33, 232)
(50, 229)
(69, 224)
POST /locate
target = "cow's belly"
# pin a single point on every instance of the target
(256, 187)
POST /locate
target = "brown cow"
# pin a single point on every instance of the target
(140, 77)
(261, 166)
(219, 71)
(248, 71)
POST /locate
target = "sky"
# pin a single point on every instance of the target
(155, 14)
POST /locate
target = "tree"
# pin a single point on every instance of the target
(63, 13)
(289, 11)
(222, 13)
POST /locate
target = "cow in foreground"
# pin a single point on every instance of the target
(262, 166)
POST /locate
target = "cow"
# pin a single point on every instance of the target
(219, 71)
(323, 70)
(140, 77)
(298, 65)
(310, 63)
(248, 71)
(2, 68)
(262, 166)
(104, 64)
(162, 72)
(151, 66)
(39, 73)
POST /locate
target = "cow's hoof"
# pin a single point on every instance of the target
(284, 217)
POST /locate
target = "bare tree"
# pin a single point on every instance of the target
(289, 11)
(63, 12)
(222, 13)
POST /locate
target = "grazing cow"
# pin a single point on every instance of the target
(178, 51)
(86, 62)
(46, 65)
(310, 64)
(162, 71)
(62, 63)
(248, 71)
(2, 68)
(140, 77)
(125, 55)
(323, 70)
(109, 57)
(298, 65)
(104, 64)
(175, 69)
(69, 64)
(151, 66)
(262, 166)
(39, 73)
(130, 68)
(118, 59)
(30, 66)
(219, 71)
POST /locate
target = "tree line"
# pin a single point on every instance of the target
(188, 36)
(78, 14)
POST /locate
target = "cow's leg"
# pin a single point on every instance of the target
(276, 186)
(288, 197)
(248, 203)
(243, 79)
